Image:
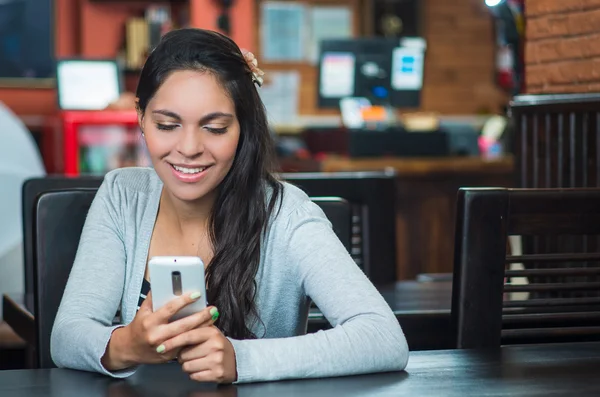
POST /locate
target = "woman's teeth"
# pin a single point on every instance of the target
(189, 170)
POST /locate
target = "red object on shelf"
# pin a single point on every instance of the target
(72, 120)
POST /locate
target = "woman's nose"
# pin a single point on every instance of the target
(190, 143)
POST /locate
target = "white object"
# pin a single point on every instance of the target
(173, 276)
(516, 249)
(87, 84)
(407, 68)
(19, 160)
(493, 128)
(493, 3)
(337, 75)
(413, 42)
(351, 108)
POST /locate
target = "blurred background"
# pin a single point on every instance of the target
(421, 87)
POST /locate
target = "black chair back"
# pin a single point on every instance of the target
(32, 188)
(372, 197)
(550, 302)
(339, 213)
(59, 219)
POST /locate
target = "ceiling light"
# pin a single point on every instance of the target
(493, 3)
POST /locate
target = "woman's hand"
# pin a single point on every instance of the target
(205, 354)
(142, 341)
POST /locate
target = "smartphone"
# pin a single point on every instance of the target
(173, 276)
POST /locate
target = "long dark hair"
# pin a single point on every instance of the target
(241, 213)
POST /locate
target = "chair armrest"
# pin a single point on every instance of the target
(8, 338)
(19, 318)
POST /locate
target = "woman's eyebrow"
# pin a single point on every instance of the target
(215, 115)
(167, 113)
(205, 119)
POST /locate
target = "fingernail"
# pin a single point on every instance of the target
(195, 295)
(160, 349)
(254, 62)
(214, 312)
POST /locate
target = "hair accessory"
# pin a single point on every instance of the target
(257, 73)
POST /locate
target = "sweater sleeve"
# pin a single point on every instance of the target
(365, 337)
(83, 324)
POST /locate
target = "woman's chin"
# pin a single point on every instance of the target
(189, 193)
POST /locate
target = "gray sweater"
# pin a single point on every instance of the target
(301, 259)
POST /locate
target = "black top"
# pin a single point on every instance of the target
(535, 370)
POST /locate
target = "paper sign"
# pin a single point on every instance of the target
(283, 31)
(407, 69)
(337, 75)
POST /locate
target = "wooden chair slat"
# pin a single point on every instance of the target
(576, 257)
(553, 302)
(552, 287)
(549, 332)
(513, 319)
(573, 271)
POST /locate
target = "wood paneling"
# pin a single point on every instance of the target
(426, 201)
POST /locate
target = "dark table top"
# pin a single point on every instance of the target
(535, 370)
(413, 297)
(422, 308)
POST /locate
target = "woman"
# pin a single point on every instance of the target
(269, 250)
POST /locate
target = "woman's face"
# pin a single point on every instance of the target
(192, 133)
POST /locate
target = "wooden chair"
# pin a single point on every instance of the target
(557, 145)
(562, 304)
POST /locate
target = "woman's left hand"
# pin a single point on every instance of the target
(207, 355)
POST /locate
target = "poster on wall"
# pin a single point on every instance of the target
(26, 43)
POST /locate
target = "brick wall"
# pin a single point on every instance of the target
(562, 52)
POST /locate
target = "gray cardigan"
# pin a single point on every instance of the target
(301, 258)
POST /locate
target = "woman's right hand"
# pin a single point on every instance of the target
(137, 342)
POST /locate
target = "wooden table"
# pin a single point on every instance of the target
(422, 309)
(542, 370)
(426, 201)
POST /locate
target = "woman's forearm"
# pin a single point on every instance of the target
(118, 355)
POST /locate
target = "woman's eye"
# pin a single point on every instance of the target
(217, 130)
(166, 127)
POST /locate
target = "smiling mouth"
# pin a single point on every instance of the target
(188, 170)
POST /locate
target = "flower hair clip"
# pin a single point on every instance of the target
(257, 73)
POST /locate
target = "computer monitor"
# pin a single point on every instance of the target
(387, 71)
(87, 84)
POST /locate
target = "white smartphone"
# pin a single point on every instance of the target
(173, 276)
